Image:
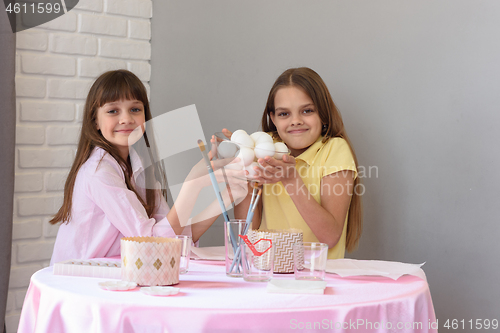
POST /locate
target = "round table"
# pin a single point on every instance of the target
(211, 302)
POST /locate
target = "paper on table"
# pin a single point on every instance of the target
(296, 287)
(208, 253)
(103, 268)
(390, 269)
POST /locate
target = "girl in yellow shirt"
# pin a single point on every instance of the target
(317, 187)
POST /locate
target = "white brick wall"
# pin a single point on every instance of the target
(46, 111)
(30, 135)
(45, 158)
(50, 64)
(92, 67)
(141, 69)
(55, 65)
(139, 29)
(63, 135)
(54, 181)
(73, 44)
(91, 5)
(68, 89)
(31, 40)
(30, 87)
(134, 8)
(10, 302)
(27, 229)
(29, 182)
(97, 25)
(66, 22)
(125, 48)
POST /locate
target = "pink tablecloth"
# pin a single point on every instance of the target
(211, 302)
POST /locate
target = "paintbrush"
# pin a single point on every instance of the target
(213, 179)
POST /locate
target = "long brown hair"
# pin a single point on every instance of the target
(311, 83)
(110, 87)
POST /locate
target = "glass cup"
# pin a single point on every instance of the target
(309, 261)
(185, 253)
(232, 242)
(258, 261)
(225, 147)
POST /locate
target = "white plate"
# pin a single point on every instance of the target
(117, 285)
(160, 291)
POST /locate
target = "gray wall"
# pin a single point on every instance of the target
(417, 84)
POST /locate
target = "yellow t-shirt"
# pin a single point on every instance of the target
(318, 161)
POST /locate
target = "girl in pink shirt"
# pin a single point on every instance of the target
(105, 197)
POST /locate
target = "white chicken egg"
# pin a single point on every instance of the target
(264, 149)
(263, 138)
(246, 156)
(281, 149)
(250, 168)
(241, 137)
(227, 149)
(256, 135)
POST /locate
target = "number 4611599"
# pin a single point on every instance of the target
(31, 8)
(478, 324)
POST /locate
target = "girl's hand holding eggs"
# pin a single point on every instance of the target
(251, 148)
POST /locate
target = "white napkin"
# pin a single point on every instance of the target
(391, 269)
(296, 287)
(208, 253)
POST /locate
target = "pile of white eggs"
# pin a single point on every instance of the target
(251, 147)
